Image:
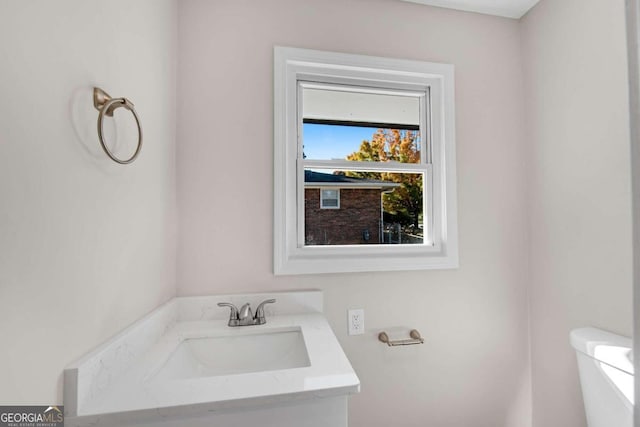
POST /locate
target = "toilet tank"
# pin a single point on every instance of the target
(606, 374)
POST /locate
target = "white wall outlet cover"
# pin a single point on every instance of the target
(355, 321)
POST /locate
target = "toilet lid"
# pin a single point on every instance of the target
(606, 347)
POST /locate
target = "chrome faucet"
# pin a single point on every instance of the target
(244, 316)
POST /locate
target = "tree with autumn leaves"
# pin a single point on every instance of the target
(394, 145)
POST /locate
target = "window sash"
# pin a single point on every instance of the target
(423, 92)
(431, 235)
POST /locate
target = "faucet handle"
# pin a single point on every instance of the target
(233, 316)
(260, 318)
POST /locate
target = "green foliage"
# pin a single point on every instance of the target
(393, 145)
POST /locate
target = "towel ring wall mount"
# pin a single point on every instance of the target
(106, 105)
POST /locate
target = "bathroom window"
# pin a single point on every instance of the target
(330, 198)
(364, 164)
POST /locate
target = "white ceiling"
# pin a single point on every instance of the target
(507, 8)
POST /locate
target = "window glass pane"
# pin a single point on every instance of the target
(330, 199)
(330, 194)
(360, 143)
(375, 208)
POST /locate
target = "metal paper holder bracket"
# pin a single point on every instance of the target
(416, 338)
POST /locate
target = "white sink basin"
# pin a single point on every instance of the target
(239, 353)
(182, 362)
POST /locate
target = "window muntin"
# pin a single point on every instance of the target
(292, 254)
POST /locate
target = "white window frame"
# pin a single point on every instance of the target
(293, 67)
(322, 206)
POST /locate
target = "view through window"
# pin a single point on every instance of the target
(376, 206)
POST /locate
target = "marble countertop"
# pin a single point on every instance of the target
(118, 378)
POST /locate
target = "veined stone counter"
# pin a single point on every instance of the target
(120, 383)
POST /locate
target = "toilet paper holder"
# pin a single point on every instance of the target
(416, 338)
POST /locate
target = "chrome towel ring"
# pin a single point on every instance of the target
(106, 105)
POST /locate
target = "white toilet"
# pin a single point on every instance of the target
(606, 375)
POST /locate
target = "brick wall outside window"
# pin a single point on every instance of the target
(359, 210)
